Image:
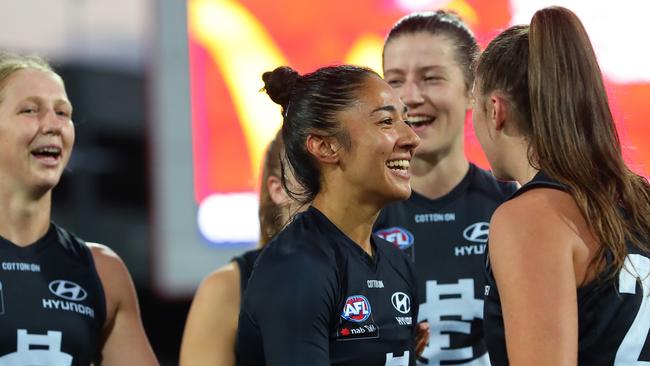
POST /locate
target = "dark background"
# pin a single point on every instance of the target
(105, 193)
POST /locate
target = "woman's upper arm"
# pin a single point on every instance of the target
(211, 326)
(531, 253)
(292, 301)
(125, 341)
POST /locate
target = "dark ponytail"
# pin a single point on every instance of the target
(565, 113)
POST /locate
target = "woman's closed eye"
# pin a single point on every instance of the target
(28, 110)
(63, 113)
(395, 83)
(432, 78)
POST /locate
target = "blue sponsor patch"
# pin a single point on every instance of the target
(399, 236)
(356, 309)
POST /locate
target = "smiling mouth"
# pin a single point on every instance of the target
(420, 121)
(401, 165)
(47, 152)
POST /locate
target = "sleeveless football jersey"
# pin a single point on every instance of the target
(613, 315)
(445, 238)
(52, 305)
(245, 263)
(316, 298)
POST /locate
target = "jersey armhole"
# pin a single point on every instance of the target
(79, 248)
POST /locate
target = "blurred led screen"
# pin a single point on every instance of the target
(231, 43)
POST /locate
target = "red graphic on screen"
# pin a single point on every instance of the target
(307, 35)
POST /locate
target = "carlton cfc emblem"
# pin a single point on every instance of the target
(401, 237)
(356, 309)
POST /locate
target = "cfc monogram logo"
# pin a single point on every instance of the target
(37, 349)
(450, 301)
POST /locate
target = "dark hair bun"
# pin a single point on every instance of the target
(279, 83)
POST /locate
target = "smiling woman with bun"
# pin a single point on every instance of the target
(326, 291)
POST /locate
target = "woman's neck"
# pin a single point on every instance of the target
(353, 218)
(521, 167)
(24, 219)
(525, 174)
(434, 176)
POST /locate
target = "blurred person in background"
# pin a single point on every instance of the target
(569, 253)
(62, 301)
(211, 327)
(428, 60)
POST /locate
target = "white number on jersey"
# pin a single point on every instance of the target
(636, 268)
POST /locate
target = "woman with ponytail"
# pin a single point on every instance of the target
(325, 291)
(568, 267)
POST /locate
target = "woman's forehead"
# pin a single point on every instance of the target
(31, 82)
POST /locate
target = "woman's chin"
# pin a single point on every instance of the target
(400, 194)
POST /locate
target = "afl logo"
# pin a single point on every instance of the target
(68, 290)
(401, 237)
(356, 309)
(401, 302)
(477, 232)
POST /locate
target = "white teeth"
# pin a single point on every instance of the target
(399, 164)
(48, 150)
(419, 119)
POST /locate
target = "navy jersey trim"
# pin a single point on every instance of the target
(78, 248)
(246, 262)
(540, 180)
(38, 246)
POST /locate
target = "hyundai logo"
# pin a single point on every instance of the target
(401, 302)
(68, 290)
(477, 232)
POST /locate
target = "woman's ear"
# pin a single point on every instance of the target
(499, 110)
(325, 149)
(276, 191)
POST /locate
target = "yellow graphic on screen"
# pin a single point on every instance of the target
(243, 50)
(366, 51)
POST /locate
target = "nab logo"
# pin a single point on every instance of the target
(356, 309)
(401, 237)
(67, 290)
(477, 232)
(401, 302)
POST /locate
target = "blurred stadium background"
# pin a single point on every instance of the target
(171, 127)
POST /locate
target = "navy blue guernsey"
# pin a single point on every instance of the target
(445, 238)
(52, 305)
(245, 263)
(613, 315)
(316, 298)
